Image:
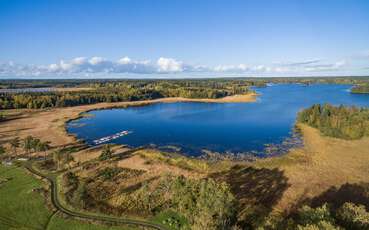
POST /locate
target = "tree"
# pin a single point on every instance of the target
(68, 159)
(27, 144)
(107, 153)
(57, 158)
(43, 147)
(35, 144)
(14, 143)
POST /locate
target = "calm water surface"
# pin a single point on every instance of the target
(219, 127)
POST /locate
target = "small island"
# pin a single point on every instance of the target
(363, 88)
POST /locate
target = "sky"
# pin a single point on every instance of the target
(183, 38)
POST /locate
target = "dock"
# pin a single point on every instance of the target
(111, 137)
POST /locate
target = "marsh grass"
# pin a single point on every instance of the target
(175, 160)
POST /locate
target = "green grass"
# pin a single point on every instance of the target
(171, 220)
(23, 208)
(20, 207)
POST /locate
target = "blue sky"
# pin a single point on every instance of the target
(166, 38)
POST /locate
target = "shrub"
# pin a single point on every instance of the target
(353, 216)
(319, 218)
(109, 173)
(107, 153)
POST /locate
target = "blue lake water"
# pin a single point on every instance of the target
(218, 127)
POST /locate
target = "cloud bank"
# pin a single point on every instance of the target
(99, 65)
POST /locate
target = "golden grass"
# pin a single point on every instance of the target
(152, 156)
(322, 163)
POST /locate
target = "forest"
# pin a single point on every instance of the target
(110, 90)
(117, 91)
(341, 122)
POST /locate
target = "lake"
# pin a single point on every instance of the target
(28, 90)
(191, 127)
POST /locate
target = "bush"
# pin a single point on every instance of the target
(107, 153)
(308, 215)
(109, 173)
(353, 216)
(321, 225)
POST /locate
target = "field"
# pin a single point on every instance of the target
(23, 205)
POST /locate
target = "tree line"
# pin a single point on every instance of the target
(29, 145)
(341, 122)
(123, 91)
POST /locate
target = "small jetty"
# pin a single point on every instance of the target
(111, 137)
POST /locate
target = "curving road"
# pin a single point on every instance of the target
(65, 210)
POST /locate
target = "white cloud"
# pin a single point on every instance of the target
(96, 60)
(125, 60)
(169, 65)
(262, 68)
(232, 68)
(79, 60)
(83, 66)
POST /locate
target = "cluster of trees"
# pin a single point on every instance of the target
(31, 144)
(116, 91)
(348, 216)
(205, 203)
(62, 159)
(363, 88)
(341, 122)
